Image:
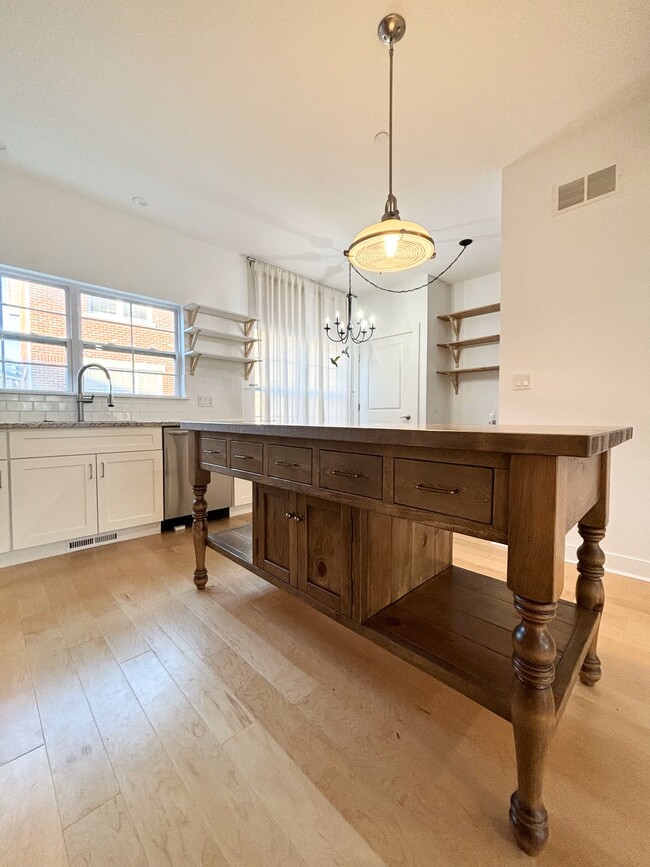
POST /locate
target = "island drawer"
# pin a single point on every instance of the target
(247, 456)
(214, 451)
(291, 463)
(352, 473)
(450, 489)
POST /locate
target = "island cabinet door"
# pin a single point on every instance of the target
(275, 532)
(325, 552)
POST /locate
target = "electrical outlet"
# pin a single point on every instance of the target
(521, 382)
(206, 400)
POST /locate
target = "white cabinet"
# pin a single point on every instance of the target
(53, 499)
(5, 526)
(113, 482)
(129, 489)
(242, 492)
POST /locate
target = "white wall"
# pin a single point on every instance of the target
(477, 394)
(576, 307)
(50, 230)
(439, 389)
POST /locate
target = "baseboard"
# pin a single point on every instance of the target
(619, 564)
(246, 509)
(55, 549)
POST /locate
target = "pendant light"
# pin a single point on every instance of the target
(392, 244)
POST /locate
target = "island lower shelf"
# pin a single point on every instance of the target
(457, 626)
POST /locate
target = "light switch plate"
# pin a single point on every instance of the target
(206, 400)
(521, 382)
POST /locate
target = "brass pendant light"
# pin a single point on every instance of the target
(392, 244)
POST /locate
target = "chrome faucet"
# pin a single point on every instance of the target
(89, 398)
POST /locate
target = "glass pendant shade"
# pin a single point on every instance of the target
(391, 245)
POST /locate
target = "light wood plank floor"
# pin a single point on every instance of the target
(145, 723)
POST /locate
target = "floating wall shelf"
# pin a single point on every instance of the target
(456, 346)
(194, 332)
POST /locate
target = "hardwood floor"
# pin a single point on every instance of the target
(145, 723)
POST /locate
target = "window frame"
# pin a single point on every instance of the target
(74, 342)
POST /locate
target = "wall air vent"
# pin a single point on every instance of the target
(92, 540)
(586, 189)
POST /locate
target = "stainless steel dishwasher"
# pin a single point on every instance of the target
(178, 493)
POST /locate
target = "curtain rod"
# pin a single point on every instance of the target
(251, 259)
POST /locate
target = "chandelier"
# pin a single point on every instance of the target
(357, 332)
(392, 244)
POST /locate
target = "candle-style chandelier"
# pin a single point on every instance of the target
(357, 332)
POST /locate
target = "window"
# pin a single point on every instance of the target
(47, 331)
(35, 335)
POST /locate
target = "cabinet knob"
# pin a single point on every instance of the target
(297, 518)
(289, 515)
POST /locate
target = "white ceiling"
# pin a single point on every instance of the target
(252, 124)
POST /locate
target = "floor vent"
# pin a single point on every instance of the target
(586, 189)
(91, 540)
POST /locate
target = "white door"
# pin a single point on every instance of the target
(389, 379)
(53, 499)
(129, 489)
(5, 527)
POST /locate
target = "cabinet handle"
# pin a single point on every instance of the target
(213, 452)
(90, 467)
(423, 487)
(286, 464)
(297, 518)
(346, 474)
(405, 418)
(243, 457)
(289, 515)
(102, 466)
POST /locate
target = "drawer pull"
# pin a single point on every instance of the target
(423, 487)
(287, 464)
(212, 452)
(243, 457)
(346, 474)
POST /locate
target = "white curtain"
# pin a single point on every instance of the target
(299, 384)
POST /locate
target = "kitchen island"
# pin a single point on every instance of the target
(359, 523)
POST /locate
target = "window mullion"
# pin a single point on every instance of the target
(76, 347)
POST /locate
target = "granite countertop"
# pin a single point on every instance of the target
(27, 425)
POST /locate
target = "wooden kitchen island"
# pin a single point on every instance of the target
(359, 522)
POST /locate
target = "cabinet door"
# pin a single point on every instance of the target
(129, 489)
(275, 533)
(325, 552)
(5, 530)
(53, 499)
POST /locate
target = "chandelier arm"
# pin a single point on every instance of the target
(415, 288)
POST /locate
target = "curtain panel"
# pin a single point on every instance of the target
(299, 384)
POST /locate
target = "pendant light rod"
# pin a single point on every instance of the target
(390, 30)
(390, 123)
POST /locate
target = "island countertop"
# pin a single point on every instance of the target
(513, 439)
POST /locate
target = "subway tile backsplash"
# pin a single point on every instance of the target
(227, 387)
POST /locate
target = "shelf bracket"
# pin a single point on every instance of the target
(191, 315)
(193, 338)
(194, 360)
(248, 369)
(455, 354)
(248, 327)
(248, 348)
(455, 324)
(454, 380)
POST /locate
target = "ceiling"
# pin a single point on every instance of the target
(252, 124)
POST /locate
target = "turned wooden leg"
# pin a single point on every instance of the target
(200, 534)
(590, 592)
(533, 719)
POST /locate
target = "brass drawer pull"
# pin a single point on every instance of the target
(422, 487)
(346, 475)
(287, 464)
(243, 457)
